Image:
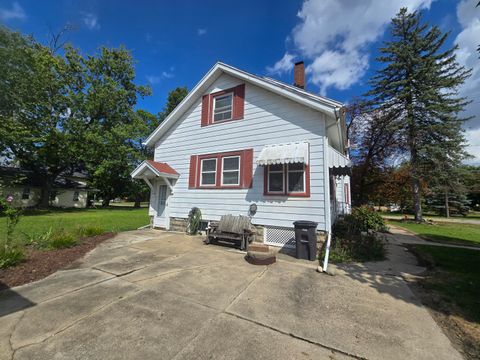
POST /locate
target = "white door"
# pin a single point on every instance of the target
(161, 220)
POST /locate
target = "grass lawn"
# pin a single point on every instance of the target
(448, 232)
(110, 219)
(451, 288)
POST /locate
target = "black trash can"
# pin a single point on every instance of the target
(306, 239)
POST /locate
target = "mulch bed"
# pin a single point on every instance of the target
(40, 263)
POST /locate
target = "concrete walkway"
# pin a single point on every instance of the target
(157, 295)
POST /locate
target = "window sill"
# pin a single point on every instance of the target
(306, 195)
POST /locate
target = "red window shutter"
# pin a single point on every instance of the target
(238, 102)
(192, 175)
(247, 168)
(205, 110)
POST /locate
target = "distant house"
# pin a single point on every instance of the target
(238, 139)
(70, 191)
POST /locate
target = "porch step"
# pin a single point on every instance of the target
(260, 257)
(259, 247)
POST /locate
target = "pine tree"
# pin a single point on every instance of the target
(418, 87)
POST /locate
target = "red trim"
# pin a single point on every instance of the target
(306, 193)
(193, 171)
(238, 105)
(162, 167)
(246, 169)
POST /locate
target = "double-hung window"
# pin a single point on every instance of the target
(208, 176)
(231, 170)
(287, 179)
(222, 107)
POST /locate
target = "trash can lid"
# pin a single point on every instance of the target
(305, 223)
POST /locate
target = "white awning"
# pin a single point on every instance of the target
(339, 163)
(295, 152)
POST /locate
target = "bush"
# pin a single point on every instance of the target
(10, 257)
(362, 219)
(54, 239)
(194, 221)
(90, 231)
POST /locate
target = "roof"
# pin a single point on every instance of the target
(155, 168)
(15, 176)
(163, 167)
(316, 102)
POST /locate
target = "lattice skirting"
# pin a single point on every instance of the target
(279, 236)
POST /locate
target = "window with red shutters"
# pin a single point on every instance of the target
(223, 106)
(228, 170)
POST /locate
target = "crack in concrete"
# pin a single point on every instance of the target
(72, 324)
(11, 334)
(297, 336)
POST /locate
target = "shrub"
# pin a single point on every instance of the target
(194, 221)
(54, 239)
(90, 231)
(364, 219)
(10, 257)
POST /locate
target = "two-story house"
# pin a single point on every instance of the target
(238, 139)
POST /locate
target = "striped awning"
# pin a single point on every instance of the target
(339, 164)
(294, 152)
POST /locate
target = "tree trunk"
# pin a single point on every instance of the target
(417, 202)
(106, 202)
(138, 200)
(44, 202)
(447, 208)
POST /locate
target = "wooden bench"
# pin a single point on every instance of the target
(231, 228)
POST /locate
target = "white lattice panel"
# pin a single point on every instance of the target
(279, 236)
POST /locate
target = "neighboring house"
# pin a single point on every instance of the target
(70, 191)
(238, 139)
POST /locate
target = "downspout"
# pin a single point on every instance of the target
(328, 225)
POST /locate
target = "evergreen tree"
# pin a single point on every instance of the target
(418, 88)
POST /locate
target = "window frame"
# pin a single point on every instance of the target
(288, 171)
(209, 171)
(283, 180)
(219, 170)
(285, 192)
(26, 193)
(215, 96)
(239, 170)
(76, 196)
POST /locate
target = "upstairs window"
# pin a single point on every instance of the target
(222, 107)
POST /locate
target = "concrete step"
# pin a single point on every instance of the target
(260, 247)
(261, 257)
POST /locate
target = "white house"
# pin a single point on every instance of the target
(238, 139)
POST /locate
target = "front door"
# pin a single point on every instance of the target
(162, 217)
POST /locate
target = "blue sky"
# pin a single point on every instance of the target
(176, 42)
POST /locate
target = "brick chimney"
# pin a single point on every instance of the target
(299, 75)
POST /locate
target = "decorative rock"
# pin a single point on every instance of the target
(319, 269)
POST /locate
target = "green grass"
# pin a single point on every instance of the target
(457, 279)
(116, 219)
(449, 232)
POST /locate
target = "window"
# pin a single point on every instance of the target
(287, 179)
(209, 172)
(222, 107)
(296, 178)
(76, 194)
(26, 193)
(231, 170)
(276, 179)
(228, 170)
(53, 195)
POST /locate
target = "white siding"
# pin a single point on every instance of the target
(269, 119)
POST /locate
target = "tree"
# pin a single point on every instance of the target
(372, 143)
(418, 89)
(34, 114)
(174, 98)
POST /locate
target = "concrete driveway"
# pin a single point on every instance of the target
(157, 295)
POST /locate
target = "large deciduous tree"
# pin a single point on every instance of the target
(417, 88)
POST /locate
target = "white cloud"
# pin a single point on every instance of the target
(91, 21)
(334, 35)
(473, 148)
(167, 74)
(201, 32)
(469, 18)
(16, 12)
(285, 64)
(153, 79)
